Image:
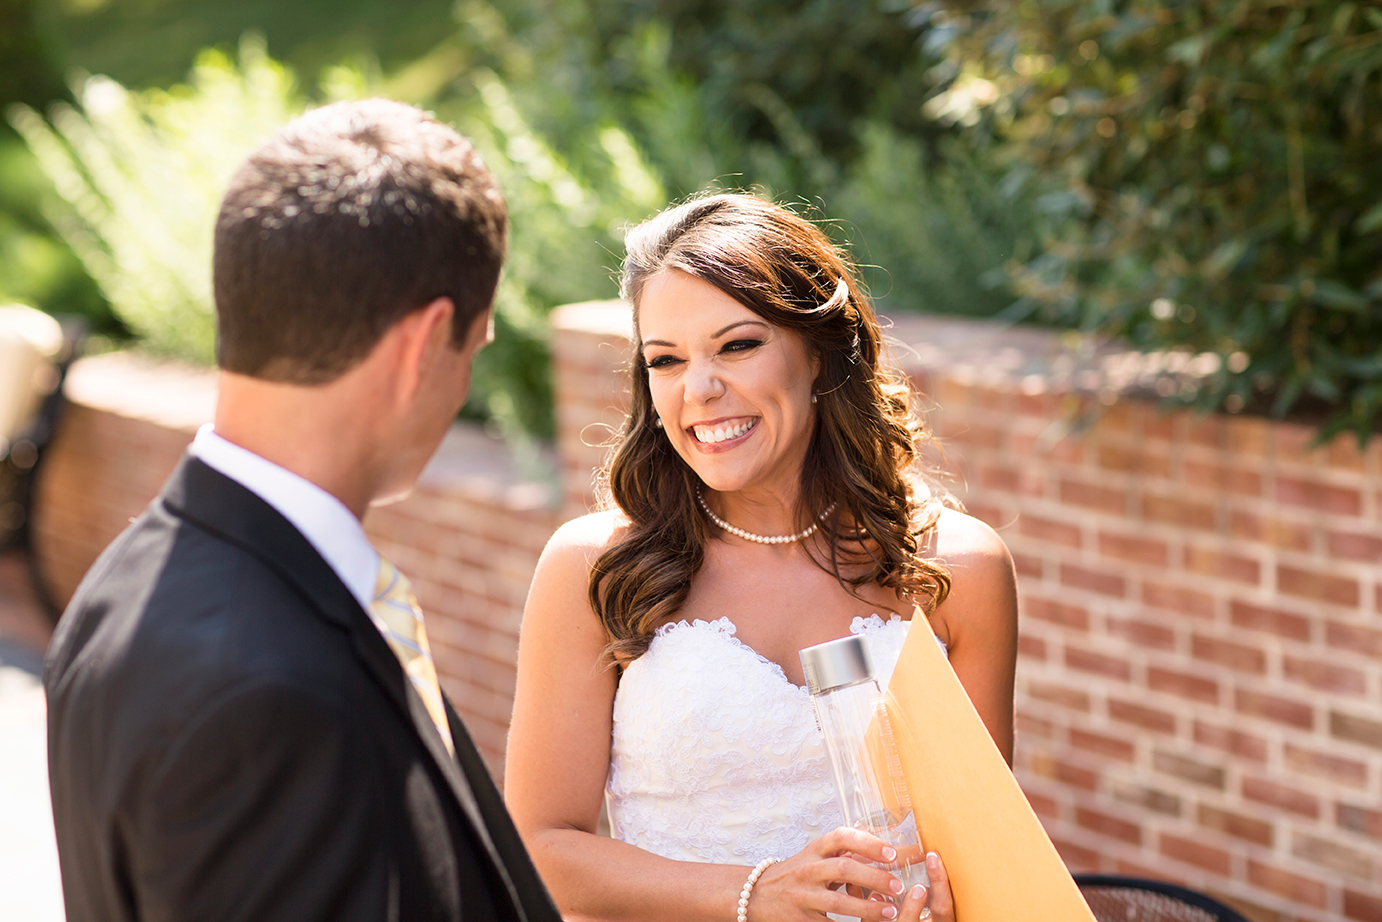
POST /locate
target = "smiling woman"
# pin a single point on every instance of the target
(763, 497)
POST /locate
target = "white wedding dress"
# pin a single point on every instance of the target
(716, 756)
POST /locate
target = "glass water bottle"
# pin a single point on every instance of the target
(859, 742)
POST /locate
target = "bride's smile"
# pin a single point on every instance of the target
(721, 432)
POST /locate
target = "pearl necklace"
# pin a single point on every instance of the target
(762, 539)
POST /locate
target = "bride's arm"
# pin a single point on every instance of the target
(558, 760)
(978, 620)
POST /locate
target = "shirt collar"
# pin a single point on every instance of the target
(323, 519)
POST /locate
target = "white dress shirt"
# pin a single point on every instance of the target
(323, 519)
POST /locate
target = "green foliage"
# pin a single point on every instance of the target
(142, 174)
(1209, 171)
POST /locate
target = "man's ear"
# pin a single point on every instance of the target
(422, 335)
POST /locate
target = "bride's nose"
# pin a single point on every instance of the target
(703, 383)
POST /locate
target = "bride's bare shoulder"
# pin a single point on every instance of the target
(580, 541)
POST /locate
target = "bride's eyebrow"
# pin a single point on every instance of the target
(716, 335)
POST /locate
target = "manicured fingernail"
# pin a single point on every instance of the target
(896, 886)
(889, 853)
(890, 912)
(933, 861)
(918, 892)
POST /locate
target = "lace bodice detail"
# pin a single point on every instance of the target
(715, 754)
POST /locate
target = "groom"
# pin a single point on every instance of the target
(244, 718)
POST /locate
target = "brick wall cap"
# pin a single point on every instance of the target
(136, 386)
(606, 318)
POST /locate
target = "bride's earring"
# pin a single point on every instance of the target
(813, 398)
(657, 421)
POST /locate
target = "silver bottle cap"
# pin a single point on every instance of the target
(836, 663)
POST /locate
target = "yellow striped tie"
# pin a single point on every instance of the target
(396, 606)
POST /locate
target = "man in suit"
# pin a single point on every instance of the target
(244, 720)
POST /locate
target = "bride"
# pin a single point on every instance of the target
(763, 499)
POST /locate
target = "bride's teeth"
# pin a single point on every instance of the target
(708, 435)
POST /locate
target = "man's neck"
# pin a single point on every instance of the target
(322, 433)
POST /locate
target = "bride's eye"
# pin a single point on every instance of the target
(742, 345)
(660, 361)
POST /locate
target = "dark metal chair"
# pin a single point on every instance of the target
(1136, 899)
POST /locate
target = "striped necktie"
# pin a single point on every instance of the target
(396, 608)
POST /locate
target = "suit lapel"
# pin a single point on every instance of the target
(236, 514)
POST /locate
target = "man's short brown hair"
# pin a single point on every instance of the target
(352, 216)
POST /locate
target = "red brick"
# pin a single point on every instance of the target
(1175, 511)
(990, 515)
(1031, 648)
(1362, 906)
(1190, 851)
(1145, 717)
(1282, 533)
(1148, 798)
(1281, 796)
(1178, 599)
(1073, 698)
(976, 435)
(1183, 684)
(1075, 617)
(1076, 857)
(1161, 425)
(1355, 729)
(1047, 766)
(1356, 546)
(1227, 653)
(1274, 708)
(1332, 855)
(1133, 549)
(1089, 496)
(1235, 742)
(1286, 883)
(1142, 633)
(1028, 724)
(1192, 770)
(1271, 620)
(1364, 641)
(999, 477)
(1097, 663)
(1044, 807)
(1314, 494)
(1326, 765)
(1049, 530)
(1208, 431)
(1093, 580)
(1321, 587)
(1363, 820)
(1328, 677)
(1222, 478)
(1108, 825)
(1236, 825)
(1133, 461)
(1027, 565)
(1223, 565)
(1102, 744)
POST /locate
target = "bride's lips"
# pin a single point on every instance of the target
(722, 434)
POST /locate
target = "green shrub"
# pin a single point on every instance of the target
(1210, 174)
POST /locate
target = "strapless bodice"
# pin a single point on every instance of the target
(715, 753)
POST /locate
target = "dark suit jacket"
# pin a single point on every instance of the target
(231, 738)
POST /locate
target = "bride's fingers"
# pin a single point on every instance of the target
(942, 901)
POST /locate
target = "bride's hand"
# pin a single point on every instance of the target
(817, 880)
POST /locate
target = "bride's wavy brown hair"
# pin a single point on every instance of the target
(856, 477)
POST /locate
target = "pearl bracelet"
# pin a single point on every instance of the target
(748, 886)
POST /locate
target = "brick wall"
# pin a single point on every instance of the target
(1200, 685)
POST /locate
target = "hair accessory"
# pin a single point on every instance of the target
(757, 872)
(762, 539)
